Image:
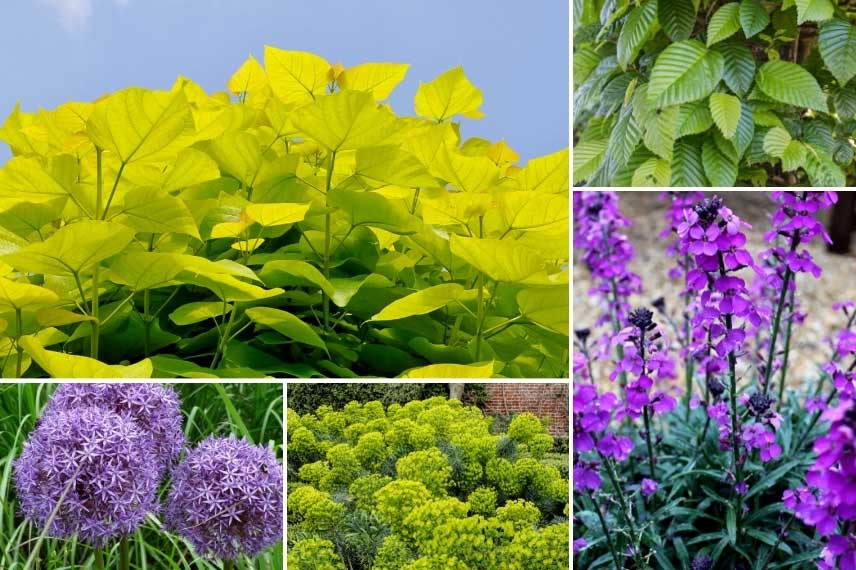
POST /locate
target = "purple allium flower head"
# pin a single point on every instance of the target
(226, 498)
(155, 408)
(99, 466)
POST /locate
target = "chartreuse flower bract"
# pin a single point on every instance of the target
(294, 225)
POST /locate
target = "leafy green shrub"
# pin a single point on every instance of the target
(314, 554)
(681, 93)
(294, 226)
(429, 473)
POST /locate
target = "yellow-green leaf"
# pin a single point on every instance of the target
(449, 94)
(423, 302)
(548, 174)
(725, 110)
(191, 313)
(346, 120)
(277, 214)
(296, 76)
(60, 365)
(546, 306)
(152, 210)
(377, 78)
(286, 324)
(249, 77)
(466, 173)
(136, 124)
(288, 272)
(73, 248)
(372, 209)
(25, 179)
(21, 295)
(451, 371)
(501, 260)
(390, 165)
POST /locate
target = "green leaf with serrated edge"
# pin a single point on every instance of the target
(837, 41)
(638, 28)
(814, 10)
(587, 157)
(694, 118)
(451, 371)
(623, 141)
(794, 156)
(660, 131)
(685, 71)
(72, 248)
(285, 324)
(424, 301)
(821, 169)
(585, 60)
(739, 66)
(718, 167)
(753, 17)
(818, 133)
(724, 23)
(745, 130)
(792, 84)
(687, 169)
(844, 100)
(677, 18)
(776, 141)
(652, 172)
(725, 110)
(192, 313)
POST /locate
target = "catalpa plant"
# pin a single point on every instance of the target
(689, 451)
(690, 93)
(294, 226)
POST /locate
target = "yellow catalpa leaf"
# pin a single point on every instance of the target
(427, 138)
(548, 174)
(500, 153)
(153, 210)
(249, 77)
(238, 154)
(451, 93)
(346, 120)
(136, 124)
(501, 260)
(60, 365)
(229, 229)
(442, 208)
(278, 214)
(248, 246)
(296, 76)
(25, 178)
(546, 306)
(377, 78)
(424, 301)
(533, 211)
(466, 173)
(335, 72)
(389, 165)
(451, 371)
(17, 295)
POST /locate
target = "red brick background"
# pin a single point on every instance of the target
(543, 400)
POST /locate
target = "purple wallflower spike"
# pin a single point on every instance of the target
(226, 498)
(155, 408)
(649, 487)
(586, 476)
(96, 465)
(579, 544)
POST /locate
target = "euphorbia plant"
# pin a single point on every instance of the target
(294, 226)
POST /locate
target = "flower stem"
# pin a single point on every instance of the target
(99, 559)
(228, 564)
(606, 533)
(124, 554)
(647, 417)
(625, 512)
(787, 349)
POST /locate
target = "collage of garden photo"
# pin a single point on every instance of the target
(284, 285)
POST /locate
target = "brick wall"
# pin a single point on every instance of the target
(543, 400)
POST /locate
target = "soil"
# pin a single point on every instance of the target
(816, 296)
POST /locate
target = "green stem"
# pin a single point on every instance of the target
(124, 554)
(625, 512)
(479, 315)
(99, 559)
(606, 533)
(112, 192)
(228, 564)
(220, 353)
(327, 238)
(96, 323)
(18, 326)
(768, 371)
(647, 417)
(415, 201)
(147, 322)
(787, 349)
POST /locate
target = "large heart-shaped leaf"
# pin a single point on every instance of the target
(449, 94)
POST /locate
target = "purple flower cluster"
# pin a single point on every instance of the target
(592, 415)
(88, 471)
(154, 408)
(679, 201)
(226, 498)
(606, 253)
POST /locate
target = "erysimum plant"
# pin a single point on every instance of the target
(689, 93)
(743, 473)
(293, 226)
(425, 485)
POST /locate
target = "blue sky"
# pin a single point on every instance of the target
(52, 51)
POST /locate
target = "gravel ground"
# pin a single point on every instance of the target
(837, 283)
